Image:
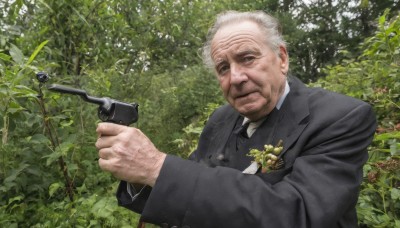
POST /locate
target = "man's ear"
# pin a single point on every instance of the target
(283, 55)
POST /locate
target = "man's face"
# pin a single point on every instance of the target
(251, 75)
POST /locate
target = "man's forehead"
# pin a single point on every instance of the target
(243, 34)
(238, 47)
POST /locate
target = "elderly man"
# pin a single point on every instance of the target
(324, 137)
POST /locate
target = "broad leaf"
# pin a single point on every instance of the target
(16, 54)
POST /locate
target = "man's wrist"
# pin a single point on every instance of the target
(159, 161)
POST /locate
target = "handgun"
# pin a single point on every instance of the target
(109, 110)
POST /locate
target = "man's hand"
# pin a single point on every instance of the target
(128, 154)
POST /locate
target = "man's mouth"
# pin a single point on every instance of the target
(242, 95)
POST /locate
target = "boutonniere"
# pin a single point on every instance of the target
(268, 159)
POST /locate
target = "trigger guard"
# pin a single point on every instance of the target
(103, 116)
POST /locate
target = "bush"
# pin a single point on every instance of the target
(375, 78)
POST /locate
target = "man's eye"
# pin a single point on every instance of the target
(222, 69)
(248, 59)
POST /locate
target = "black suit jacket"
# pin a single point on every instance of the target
(325, 138)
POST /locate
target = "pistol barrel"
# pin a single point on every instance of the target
(82, 93)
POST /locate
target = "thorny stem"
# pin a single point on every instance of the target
(54, 144)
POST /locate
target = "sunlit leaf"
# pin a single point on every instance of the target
(54, 187)
(395, 193)
(5, 57)
(16, 54)
(37, 50)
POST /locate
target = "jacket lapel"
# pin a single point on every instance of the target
(294, 115)
(222, 132)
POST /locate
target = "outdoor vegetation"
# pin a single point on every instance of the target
(148, 52)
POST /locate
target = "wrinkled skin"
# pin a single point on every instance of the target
(128, 154)
(251, 75)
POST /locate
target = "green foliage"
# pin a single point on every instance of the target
(147, 52)
(181, 99)
(375, 78)
(188, 141)
(131, 52)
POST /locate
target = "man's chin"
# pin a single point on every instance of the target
(249, 113)
(254, 113)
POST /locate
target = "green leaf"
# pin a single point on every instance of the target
(4, 89)
(5, 57)
(93, 223)
(16, 54)
(23, 91)
(37, 50)
(14, 107)
(46, 5)
(60, 151)
(54, 187)
(72, 167)
(387, 136)
(395, 194)
(15, 199)
(102, 208)
(15, 173)
(38, 139)
(394, 150)
(67, 123)
(52, 157)
(80, 15)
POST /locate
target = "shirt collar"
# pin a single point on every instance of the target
(282, 98)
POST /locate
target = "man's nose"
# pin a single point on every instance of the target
(238, 74)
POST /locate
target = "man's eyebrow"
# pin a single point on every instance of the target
(219, 61)
(248, 51)
(239, 53)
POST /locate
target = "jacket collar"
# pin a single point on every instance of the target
(294, 116)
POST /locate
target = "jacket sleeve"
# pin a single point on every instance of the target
(138, 202)
(316, 191)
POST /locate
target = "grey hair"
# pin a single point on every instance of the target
(268, 24)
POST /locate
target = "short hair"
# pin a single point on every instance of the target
(267, 23)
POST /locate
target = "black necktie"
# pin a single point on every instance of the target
(241, 135)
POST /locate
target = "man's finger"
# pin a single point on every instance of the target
(105, 153)
(105, 142)
(105, 129)
(105, 165)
